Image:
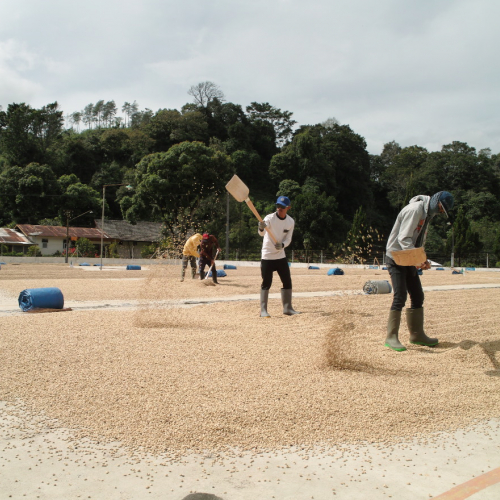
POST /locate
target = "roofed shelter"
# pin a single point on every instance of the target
(52, 239)
(13, 240)
(131, 238)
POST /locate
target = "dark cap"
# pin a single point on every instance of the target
(447, 202)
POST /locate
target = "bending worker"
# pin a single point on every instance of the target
(410, 231)
(208, 244)
(190, 254)
(273, 255)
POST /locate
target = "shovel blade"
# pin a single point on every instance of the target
(237, 188)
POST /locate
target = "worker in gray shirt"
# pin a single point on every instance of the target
(410, 231)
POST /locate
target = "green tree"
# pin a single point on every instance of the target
(171, 186)
(77, 198)
(85, 247)
(281, 121)
(318, 225)
(28, 194)
(466, 241)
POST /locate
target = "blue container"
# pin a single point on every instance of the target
(313, 267)
(220, 273)
(335, 271)
(470, 268)
(439, 268)
(229, 266)
(132, 267)
(41, 298)
(84, 264)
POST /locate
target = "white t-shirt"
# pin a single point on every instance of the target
(282, 229)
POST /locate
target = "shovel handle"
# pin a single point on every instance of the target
(248, 201)
(206, 277)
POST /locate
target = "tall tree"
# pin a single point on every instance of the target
(28, 194)
(172, 185)
(280, 120)
(466, 241)
(205, 92)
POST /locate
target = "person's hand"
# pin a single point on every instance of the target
(278, 246)
(262, 225)
(424, 266)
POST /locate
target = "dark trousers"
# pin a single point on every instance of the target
(207, 262)
(188, 259)
(267, 268)
(405, 280)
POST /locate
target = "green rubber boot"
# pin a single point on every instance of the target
(264, 296)
(286, 298)
(392, 340)
(415, 322)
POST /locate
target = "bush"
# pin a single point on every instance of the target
(34, 251)
(148, 251)
(85, 247)
(113, 250)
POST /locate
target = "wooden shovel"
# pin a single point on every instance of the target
(240, 193)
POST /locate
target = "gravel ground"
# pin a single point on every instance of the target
(218, 377)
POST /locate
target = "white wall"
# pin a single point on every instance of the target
(54, 244)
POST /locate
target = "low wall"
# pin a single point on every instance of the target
(177, 262)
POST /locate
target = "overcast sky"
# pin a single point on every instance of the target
(422, 72)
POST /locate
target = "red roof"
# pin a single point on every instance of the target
(60, 231)
(12, 237)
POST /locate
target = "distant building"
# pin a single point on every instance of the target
(13, 241)
(131, 238)
(52, 239)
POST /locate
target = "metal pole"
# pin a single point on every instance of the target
(452, 247)
(227, 227)
(67, 238)
(102, 222)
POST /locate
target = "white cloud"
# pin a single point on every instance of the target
(415, 72)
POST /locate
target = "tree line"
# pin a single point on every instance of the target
(344, 200)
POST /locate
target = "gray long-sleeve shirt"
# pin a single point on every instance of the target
(408, 225)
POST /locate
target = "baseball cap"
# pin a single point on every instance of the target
(283, 201)
(447, 202)
(205, 236)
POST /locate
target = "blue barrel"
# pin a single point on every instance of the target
(132, 267)
(229, 266)
(220, 273)
(335, 271)
(41, 298)
(313, 267)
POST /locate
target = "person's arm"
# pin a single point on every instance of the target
(262, 226)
